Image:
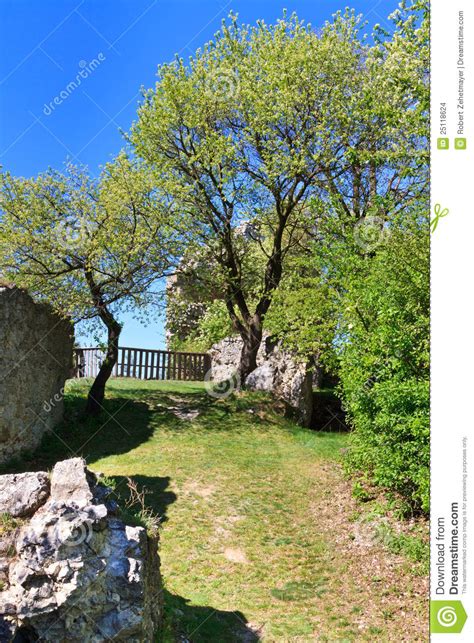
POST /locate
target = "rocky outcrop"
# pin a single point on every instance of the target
(277, 372)
(35, 361)
(21, 494)
(225, 358)
(190, 292)
(73, 570)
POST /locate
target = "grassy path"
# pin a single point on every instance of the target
(257, 540)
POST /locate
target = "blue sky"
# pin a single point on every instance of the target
(45, 45)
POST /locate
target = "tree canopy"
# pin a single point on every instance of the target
(265, 121)
(90, 248)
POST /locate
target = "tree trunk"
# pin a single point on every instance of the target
(96, 395)
(251, 339)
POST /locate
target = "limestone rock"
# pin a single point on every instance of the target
(277, 372)
(70, 480)
(77, 572)
(21, 494)
(262, 378)
(35, 361)
(225, 358)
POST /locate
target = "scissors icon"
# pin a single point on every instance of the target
(439, 214)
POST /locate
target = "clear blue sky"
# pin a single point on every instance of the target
(44, 44)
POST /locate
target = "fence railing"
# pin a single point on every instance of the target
(144, 364)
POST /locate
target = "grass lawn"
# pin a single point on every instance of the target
(252, 512)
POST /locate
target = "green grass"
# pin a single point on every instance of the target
(9, 524)
(413, 546)
(236, 489)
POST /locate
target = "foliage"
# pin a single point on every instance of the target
(90, 248)
(235, 136)
(9, 524)
(384, 360)
(304, 314)
(62, 232)
(138, 511)
(360, 493)
(213, 326)
(182, 319)
(413, 546)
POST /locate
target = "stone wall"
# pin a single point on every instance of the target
(35, 360)
(277, 372)
(189, 292)
(70, 568)
(183, 314)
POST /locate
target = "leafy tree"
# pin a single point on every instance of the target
(196, 312)
(91, 248)
(304, 314)
(260, 121)
(213, 326)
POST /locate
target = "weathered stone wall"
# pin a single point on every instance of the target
(189, 292)
(277, 372)
(70, 568)
(182, 313)
(35, 360)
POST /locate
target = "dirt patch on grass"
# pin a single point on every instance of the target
(181, 407)
(235, 555)
(199, 489)
(373, 589)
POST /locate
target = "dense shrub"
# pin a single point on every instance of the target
(384, 363)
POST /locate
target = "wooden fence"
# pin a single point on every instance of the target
(144, 364)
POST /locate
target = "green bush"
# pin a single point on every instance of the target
(384, 364)
(390, 440)
(213, 326)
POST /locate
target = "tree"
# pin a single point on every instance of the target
(91, 248)
(261, 121)
(359, 296)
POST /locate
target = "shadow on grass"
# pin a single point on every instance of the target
(201, 624)
(123, 425)
(157, 495)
